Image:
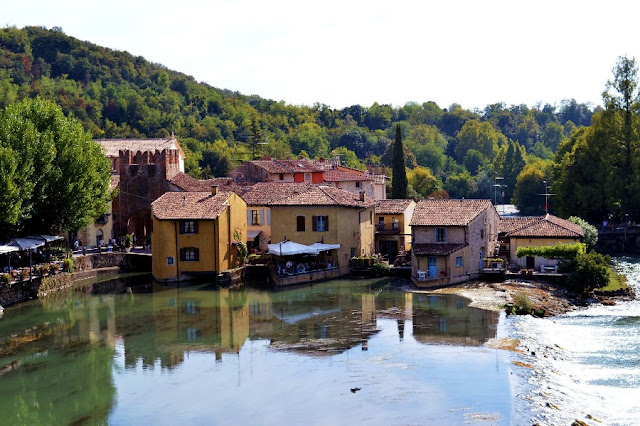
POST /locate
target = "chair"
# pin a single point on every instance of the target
(422, 275)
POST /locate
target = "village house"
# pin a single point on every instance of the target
(323, 214)
(450, 239)
(102, 227)
(393, 230)
(143, 168)
(282, 171)
(195, 233)
(258, 197)
(538, 231)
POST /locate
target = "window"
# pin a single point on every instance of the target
(169, 260)
(189, 254)
(394, 223)
(255, 217)
(307, 177)
(300, 224)
(482, 233)
(353, 252)
(357, 184)
(441, 235)
(381, 221)
(320, 223)
(188, 227)
(281, 176)
(459, 262)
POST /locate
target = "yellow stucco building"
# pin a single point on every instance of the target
(194, 233)
(393, 230)
(328, 215)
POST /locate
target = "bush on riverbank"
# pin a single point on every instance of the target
(522, 305)
(588, 271)
(52, 283)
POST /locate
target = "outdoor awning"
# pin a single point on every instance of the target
(324, 247)
(26, 243)
(290, 248)
(252, 234)
(46, 238)
(8, 249)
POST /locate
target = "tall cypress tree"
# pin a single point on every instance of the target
(399, 181)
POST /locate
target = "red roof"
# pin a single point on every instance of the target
(112, 147)
(263, 193)
(191, 184)
(190, 205)
(541, 227)
(448, 212)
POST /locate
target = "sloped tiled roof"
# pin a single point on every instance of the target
(316, 195)
(191, 184)
(543, 226)
(263, 193)
(447, 212)
(189, 205)
(392, 206)
(286, 166)
(113, 147)
(342, 175)
(436, 249)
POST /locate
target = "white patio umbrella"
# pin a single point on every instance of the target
(290, 248)
(324, 247)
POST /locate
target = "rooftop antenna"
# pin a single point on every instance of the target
(546, 198)
(496, 185)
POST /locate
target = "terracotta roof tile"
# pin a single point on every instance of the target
(392, 206)
(340, 175)
(113, 147)
(190, 205)
(191, 184)
(287, 166)
(447, 212)
(263, 193)
(436, 249)
(543, 226)
(316, 195)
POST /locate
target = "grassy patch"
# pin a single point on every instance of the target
(616, 282)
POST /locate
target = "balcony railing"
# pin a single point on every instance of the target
(388, 228)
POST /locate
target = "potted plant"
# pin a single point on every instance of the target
(54, 268)
(24, 274)
(6, 278)
(44, 269)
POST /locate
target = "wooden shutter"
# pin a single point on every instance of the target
(261, 216)
(269, 217)
(181, 227)
(195, 226)
(314, 223)
(326, 223)
(249, 218)
(196, 254)
(183, 254)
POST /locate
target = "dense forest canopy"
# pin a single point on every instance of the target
(115, 94)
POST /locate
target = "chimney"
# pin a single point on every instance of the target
(363, 197)
(214, 189)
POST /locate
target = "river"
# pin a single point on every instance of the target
(586, 362)
(340, 352)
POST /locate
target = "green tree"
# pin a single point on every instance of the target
(459, 185)
(55, 176)
(423, 181)
(399, 180)
(590, 231)
(480, 136)
(529, 186)
(311, 138)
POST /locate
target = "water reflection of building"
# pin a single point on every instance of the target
(446, 319)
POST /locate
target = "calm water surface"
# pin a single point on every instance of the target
(342, 352)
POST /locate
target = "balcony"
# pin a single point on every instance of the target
(388, 228)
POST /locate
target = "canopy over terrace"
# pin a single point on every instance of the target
(290, 248)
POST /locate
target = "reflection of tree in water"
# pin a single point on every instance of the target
(446, 319)
(59, 371)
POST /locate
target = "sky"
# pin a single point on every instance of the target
(347, 52)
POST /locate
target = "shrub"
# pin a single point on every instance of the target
(380, 269)
(24, 274)
(6, 278)
(243, 251)
(590, 271)
(590, 231)
(522, 304)
(128, 240)
(559, 251)
(68, 265)
(43, 269)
